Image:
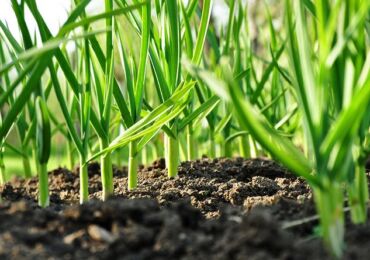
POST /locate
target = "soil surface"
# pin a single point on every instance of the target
(216, 209)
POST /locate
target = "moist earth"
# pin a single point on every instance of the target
(220, 209)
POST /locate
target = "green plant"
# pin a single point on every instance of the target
(299, 93)
(165, 64)
(43, 144)
(135, 83)
(332, 86)
(41, 57)
(168, 77)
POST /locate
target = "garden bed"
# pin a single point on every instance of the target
(220, 209)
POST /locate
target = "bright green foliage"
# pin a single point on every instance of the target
(160, 78)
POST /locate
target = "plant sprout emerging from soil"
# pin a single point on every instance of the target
(43, 143)
(157, 78)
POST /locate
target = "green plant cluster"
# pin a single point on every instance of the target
(159, 78)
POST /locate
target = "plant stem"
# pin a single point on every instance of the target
(212, 148)
(106, 171)
(144, 155)
(119, 158)
(2, 174)
(132, 166)
(157, 152)
(228, 149)
(253, 148)
(2, 168)
(244, 147)
(359, 195)
(70, 155)
(329, 205)
(84, 182)
(172, 156)
(107, 176)
(26, 167)
(226, 133)
(43, 186)
(190, 143)
(36, 160)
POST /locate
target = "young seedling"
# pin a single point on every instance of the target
(166, 68)
(83, 95)
(43, 144)
(305, 105)
(168, 76)
(135, 83)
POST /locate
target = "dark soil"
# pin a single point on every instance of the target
(207, 184)
(216, 209)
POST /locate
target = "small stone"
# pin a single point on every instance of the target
(72, 213)
(301, 198)
(69, 239)
(100, 234)
(98, 214)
